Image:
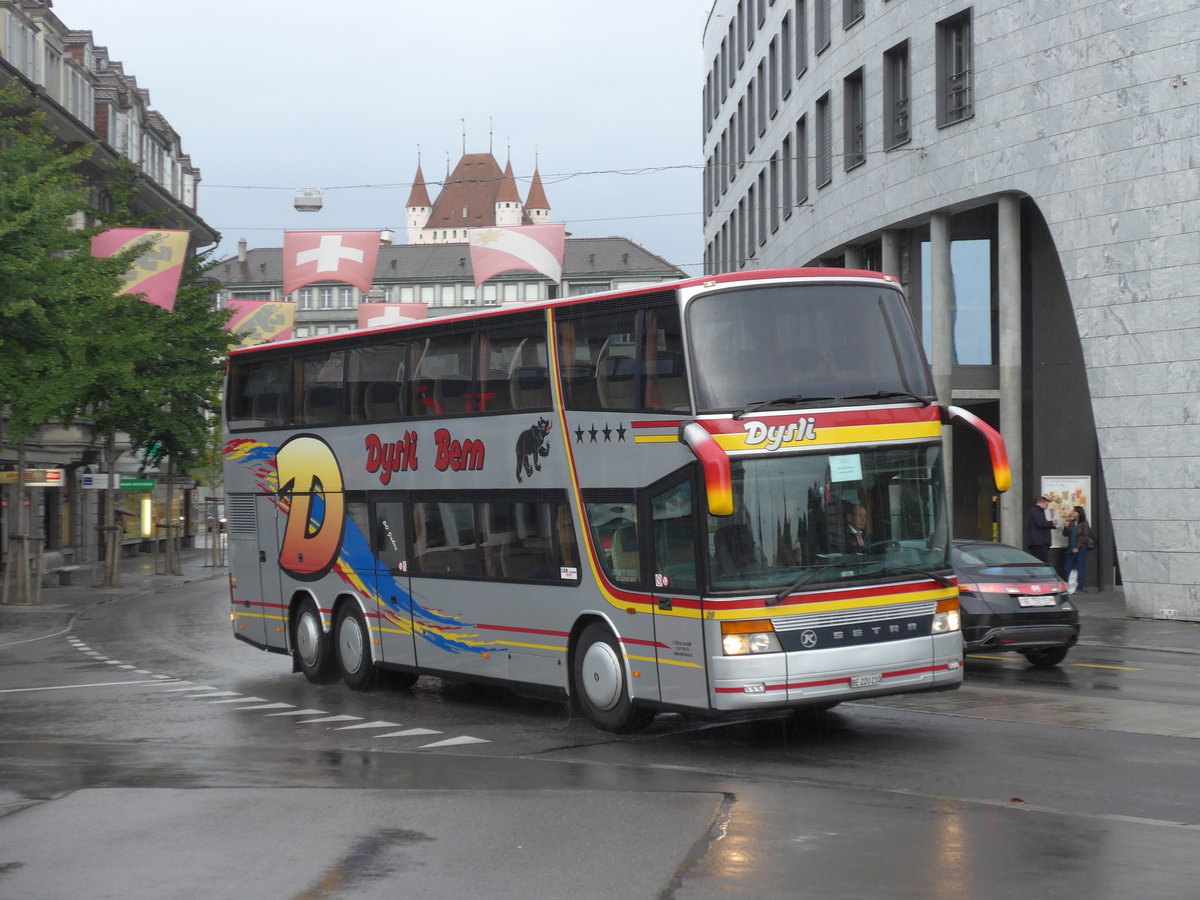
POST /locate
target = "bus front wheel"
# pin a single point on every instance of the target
(600, 684)
(312, 648)
(352, 638)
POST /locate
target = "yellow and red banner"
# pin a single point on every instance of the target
(261, 321)
(155, 274)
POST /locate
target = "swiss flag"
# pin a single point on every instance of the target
(526, 248)
(346, 256)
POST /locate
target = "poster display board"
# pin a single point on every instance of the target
(1064, 493)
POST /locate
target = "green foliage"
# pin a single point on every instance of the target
(46, 274)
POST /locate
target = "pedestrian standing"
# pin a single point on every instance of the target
(1080, 540)
(1038, 529)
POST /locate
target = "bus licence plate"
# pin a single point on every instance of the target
(865, 680)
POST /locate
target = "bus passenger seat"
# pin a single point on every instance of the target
(268, 407)
(669, 380)
(614, 379)
(383, 401)
(321, 406)
(626, 562)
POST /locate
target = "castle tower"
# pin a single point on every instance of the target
(537, 207)
(418, 209)
(509, 208)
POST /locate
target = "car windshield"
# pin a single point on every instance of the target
(775, 345)
(999, 560)
(819, 518)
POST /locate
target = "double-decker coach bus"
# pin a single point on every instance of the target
(723, 494)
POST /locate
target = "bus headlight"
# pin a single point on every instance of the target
(947, 618)
(743, 638)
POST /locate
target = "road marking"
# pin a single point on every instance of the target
(1096, 666)
(240, 699)
(455, 742)
(266, 706)
(369, 725)
(412, 732)
(68, 687)
(330, 719)
(213, 694)
(300, 712)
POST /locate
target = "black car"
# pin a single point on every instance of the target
(1012, 601)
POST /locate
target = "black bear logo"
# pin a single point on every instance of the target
(530, 445)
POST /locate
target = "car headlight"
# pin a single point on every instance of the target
(947, 618)
(744, 638)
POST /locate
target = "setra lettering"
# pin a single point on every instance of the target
(772, 437)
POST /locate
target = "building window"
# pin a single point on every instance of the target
(752, 220)
(823, 33)
(764, 201)
(326, 298)
(854, 117)
(801, 155)
(304, 298)
(427, 294)
(801, 37)
(785, 55)
(751, 114)
(740, 128)
(346, 297)
(786, 179)
(760, 114)
(408, 294)
(852, 11)
(954, 76)
(973, 310)
(896, 79)
(775, 200)
(824, 141)
(447, 295)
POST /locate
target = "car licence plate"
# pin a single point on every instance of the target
(865, 680)
(1036, 601)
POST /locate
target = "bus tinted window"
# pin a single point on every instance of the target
(615, 534)
(444, 540)
(443, 385)
(375, 381)
(624, 359)
(821, 341)
(529, 542)
(322, 389)
(513, 371)
(260, 394)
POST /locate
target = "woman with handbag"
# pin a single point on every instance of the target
(1079, 541)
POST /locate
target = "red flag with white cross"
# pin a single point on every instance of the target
(346, 256)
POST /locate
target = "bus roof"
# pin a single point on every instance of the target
(816, 274)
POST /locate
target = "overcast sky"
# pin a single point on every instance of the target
(273, 95)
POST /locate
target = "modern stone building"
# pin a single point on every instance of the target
(1030, 171)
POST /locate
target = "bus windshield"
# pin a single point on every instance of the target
(811, 520)
(755, 346)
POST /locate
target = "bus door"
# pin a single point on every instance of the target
(258, 596)
(388, 519)
(678, 625)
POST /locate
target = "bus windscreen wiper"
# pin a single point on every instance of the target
(889, 395)
(778, 401)
(804, 579)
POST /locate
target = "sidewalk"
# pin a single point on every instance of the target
(20, 623)
(1102, 614)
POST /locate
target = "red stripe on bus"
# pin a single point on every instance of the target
(923, 670)
(660, 424)
(561, 634)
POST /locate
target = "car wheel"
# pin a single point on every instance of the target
(352, 638)
(1046, 657)
(600, 684)
(311, 645)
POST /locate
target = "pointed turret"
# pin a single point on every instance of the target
(537, 207)
(508, 199)
(418, 208)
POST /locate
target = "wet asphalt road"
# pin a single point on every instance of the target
(147, 754)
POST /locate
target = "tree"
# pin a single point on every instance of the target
(46, 278)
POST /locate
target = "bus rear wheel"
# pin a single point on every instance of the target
(600, 684)
(352, 638)
(311, 645)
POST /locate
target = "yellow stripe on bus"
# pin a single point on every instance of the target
(657, 439)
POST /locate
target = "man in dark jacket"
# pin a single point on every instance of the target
(1038, 530)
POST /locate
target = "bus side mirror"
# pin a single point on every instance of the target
(1001, 473)
(718, 477)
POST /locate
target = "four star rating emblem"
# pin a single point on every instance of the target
(594, 434)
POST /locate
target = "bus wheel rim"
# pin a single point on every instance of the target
(603, 678)
(308, 638)
(350, 646)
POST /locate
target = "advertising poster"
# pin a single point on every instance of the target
(1064, 493)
